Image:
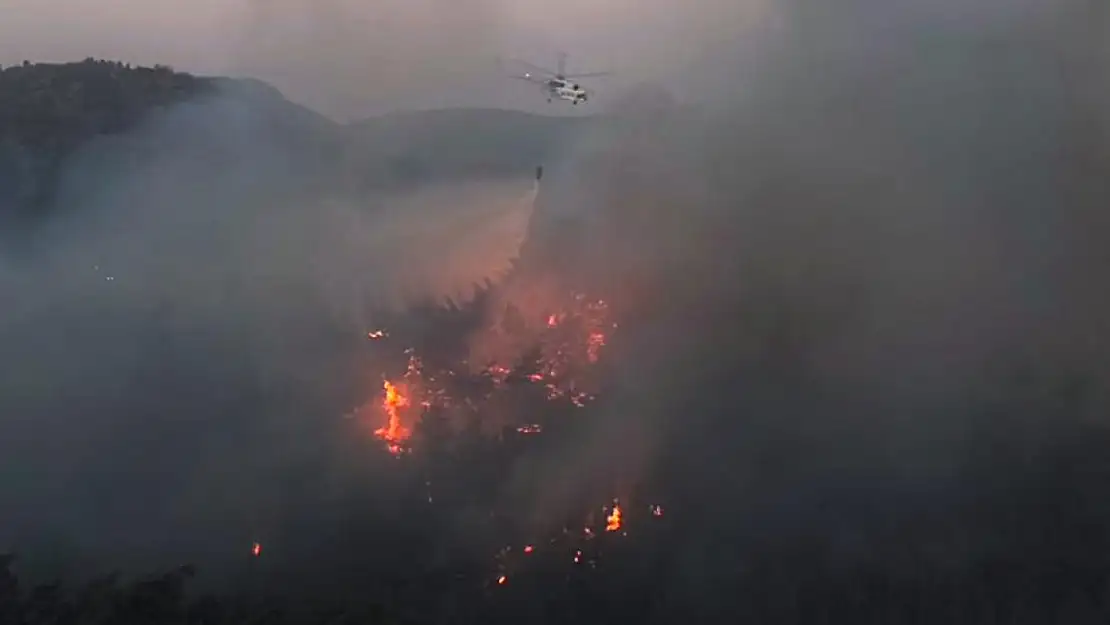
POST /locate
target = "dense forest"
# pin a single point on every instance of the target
(48, 110)
(59, 105)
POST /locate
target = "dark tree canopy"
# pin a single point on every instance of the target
(60, 105)
(48, 110)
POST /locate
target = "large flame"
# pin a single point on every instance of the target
(613, 522)
(394, 433)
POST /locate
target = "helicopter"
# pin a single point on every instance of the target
(559, 85)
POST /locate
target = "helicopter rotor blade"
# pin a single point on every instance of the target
(532, 79)
(536, 68)
(588, 75)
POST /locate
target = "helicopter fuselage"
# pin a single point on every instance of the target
(563, 89)
(559, 85)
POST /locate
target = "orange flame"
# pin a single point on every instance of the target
(563, 359)
(613, 522)
(394, 433)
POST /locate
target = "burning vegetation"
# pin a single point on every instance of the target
(561, 363)
(394, 433)
(558, 362)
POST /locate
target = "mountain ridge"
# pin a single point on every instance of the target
(51, 112)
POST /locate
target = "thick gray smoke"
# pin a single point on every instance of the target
(351, 59)
(834, 276)
(875, 231)
(343, 56)
(182, 338)
(340, 55)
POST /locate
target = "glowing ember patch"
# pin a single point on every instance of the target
(498, 373)
(394, 433)
(557, 361)
(561, 371)
(613, 522)
(594, 345)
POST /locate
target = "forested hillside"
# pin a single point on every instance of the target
(832, 351)
(48, 112)
(59, 105)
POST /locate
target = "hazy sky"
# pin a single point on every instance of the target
(350, 58)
